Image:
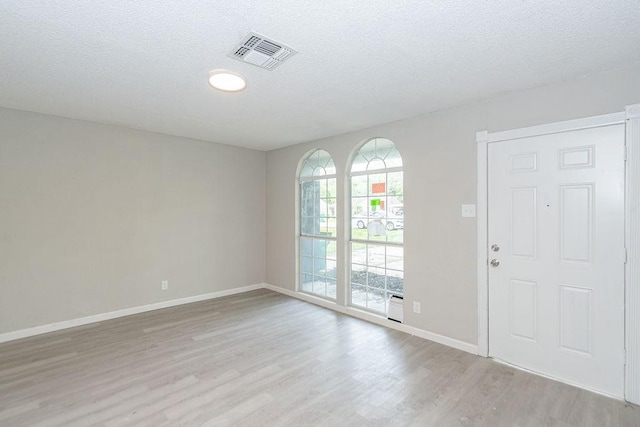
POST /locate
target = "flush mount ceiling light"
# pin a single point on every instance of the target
(226, 81)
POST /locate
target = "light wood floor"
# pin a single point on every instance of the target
(261, 358)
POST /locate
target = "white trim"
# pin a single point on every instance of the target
(566, 126)
(482, 139)
(311, 236)
(632, 267)
(297, 234)
(378, 242)
(316, 178)
(354, 312)
(377, 319)
(632, 111)
(375, 171)
(346, 237)
(51, 327)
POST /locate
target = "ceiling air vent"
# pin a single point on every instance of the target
(258, 50)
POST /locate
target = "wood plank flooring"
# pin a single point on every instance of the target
(261, 358)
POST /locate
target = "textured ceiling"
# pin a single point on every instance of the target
(143, 64)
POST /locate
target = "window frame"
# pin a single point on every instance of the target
(300, 235)
(351, 240)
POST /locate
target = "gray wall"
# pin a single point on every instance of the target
(440, 174)
(94, 217)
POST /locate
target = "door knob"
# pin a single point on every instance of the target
(495, 248)
(494, 263)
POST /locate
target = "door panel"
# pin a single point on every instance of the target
(556, 232)
(523, 222)
(576, 222)
(523, 305)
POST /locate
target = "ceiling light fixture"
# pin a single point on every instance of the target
(226, 81)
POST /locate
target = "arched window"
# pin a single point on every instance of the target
(377, 223)
(317, 233)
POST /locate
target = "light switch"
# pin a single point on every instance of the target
(468, 211)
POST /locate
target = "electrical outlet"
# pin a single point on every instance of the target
(416, 307)
(468, 211)
(165, 285)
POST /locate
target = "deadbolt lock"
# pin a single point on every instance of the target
(495, 248)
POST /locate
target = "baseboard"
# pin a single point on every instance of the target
(378, 320)
(360, 314)
(43, 329)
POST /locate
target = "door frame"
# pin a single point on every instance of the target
(631, 118)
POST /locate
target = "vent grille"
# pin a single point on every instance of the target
(252, 41)
(268, 48)
(261, 51)
(241, 51)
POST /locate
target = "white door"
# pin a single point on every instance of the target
(556, 291)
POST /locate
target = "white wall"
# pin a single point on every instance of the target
(440, 174)
(93, 217)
